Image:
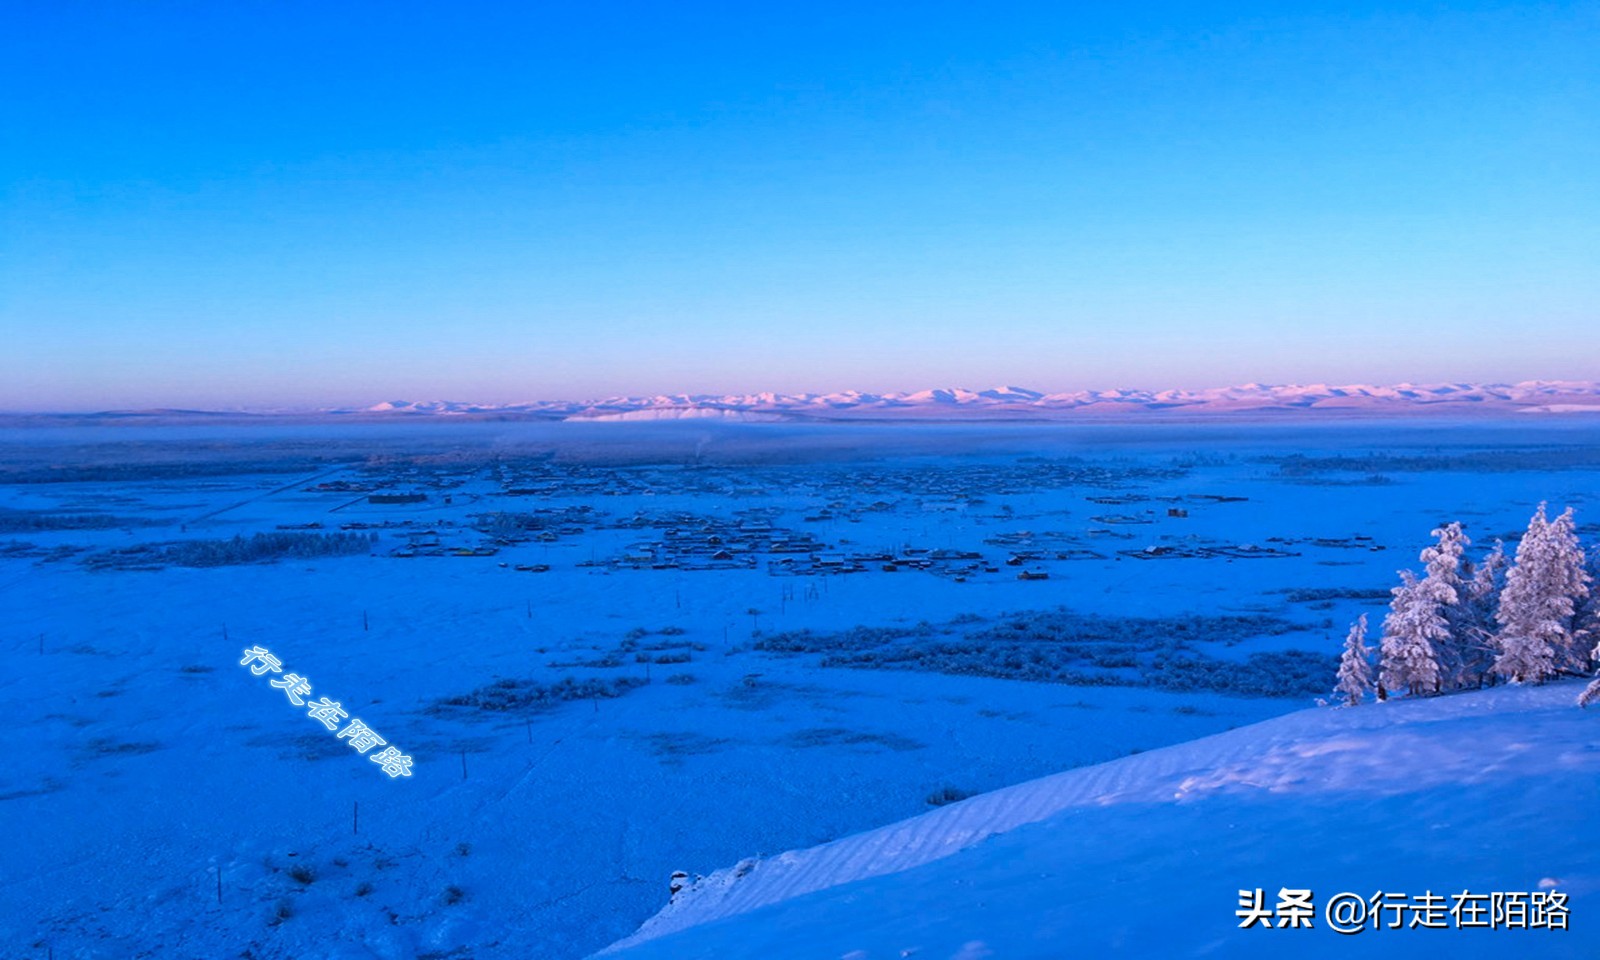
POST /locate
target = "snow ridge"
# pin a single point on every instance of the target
(1449, 742)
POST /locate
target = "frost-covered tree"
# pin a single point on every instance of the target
(1537, 637)
(1443, 583)
(1442, 561)
(1574, 580)
(1488, 578)
(1525, 652)
(1355, 672)
(1586, 612)
(1591, 693)
(1408, 655)
(1587, 618)
(1477, 623)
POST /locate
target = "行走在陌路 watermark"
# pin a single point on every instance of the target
(1352, 913)
(297, 688)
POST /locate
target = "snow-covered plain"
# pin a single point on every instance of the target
(145, 764)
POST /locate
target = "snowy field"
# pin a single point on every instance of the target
(614, 651)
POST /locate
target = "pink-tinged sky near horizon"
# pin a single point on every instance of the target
(299, 205)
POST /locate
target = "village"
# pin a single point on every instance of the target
(958, 524)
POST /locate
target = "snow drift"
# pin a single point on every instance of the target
(1488, 791)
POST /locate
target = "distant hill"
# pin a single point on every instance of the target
(1019, 403)
(1547, 397)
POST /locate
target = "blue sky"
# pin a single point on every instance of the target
(284, 204)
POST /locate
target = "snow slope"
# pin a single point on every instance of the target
(1146, 855)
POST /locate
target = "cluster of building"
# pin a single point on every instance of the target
(753, 539)
(691, 542)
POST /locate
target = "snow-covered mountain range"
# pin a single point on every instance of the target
(953, 403)
(1010, 402)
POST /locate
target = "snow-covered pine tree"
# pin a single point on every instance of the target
(1414, 625)
(1573, 581)
(1442, 560)
(1442, 581)
(1537, 638)
(1478, 624)
(1591, 693)
(1525, 652)
(1586, 613)
(1488, 577)
(1355, 672)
